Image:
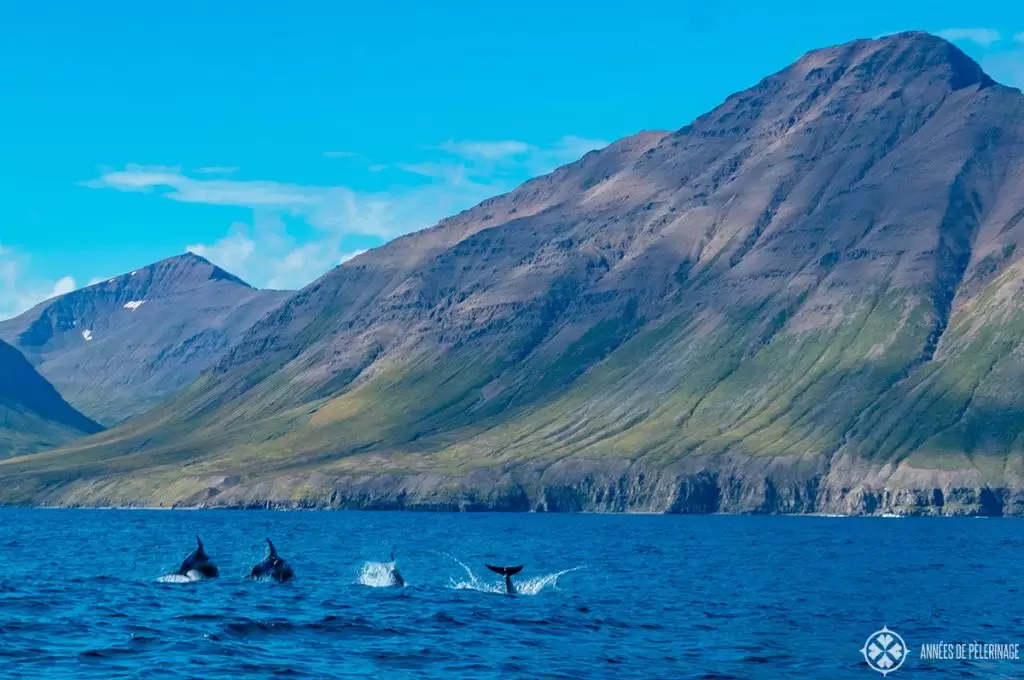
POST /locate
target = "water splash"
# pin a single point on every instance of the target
(377, 574)
(533, 586)
(527, 586)
(266, 578)
(192, 576)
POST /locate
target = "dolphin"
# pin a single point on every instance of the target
(508, 573)
(396, 576)
(199, 562)
(273, 567)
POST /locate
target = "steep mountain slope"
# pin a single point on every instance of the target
(32, 414)
(117, 348)
(805, 300)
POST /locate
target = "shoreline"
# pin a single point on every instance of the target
(283, 508)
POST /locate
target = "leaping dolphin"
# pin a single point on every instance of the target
(273, 567)
(198, 561)
(508, 573)
(396, 576)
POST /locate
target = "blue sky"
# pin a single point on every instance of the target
(278, 139)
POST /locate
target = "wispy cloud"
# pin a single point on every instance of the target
(451, 172)
(173, 184)
(1019, 37)
(536, 159)
(19, 290)
(982, 36)
(263, 250)
(339, 154)
(216, 170)
(487, 150)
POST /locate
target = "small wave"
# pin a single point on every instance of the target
(376, 574)
(526, 586)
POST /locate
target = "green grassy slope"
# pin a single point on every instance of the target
(807, 300)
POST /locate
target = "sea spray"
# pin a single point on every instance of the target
(376, 574)
(191, 577)
(526, 586)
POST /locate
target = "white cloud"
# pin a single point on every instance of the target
(19, 291)
(981, 36)
(63, 286)
(345, 257)
(179, 187)
(263, 251)
(535, 159)
(487, 150)
(231, 252)
(267, 254)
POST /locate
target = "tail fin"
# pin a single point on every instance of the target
(505, 571)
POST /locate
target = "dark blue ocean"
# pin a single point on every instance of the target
(603, 596)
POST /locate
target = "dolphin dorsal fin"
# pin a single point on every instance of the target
(199, 543)
(273, 550)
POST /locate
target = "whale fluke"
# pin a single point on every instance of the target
(505, 571)
(508, 573)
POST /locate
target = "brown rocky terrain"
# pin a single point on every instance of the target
(807, 300)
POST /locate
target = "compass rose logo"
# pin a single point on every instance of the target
(885, 651)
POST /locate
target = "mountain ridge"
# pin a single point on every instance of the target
(802, 301)
(120, 346)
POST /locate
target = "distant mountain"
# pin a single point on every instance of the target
(809, 299)
(33, 415)
(117, 348)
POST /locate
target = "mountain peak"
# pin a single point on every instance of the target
(193, 267)
(172, 280)
(899, 57)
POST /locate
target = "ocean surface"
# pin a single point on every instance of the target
(601, 596)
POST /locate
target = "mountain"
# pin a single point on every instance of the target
(117, 348)
(33, 415)
(806, 300)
